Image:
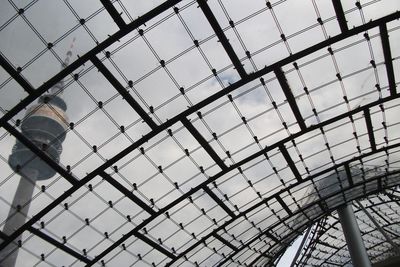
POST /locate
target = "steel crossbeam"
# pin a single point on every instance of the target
(181, 117)
(222, 37)
(113, 13)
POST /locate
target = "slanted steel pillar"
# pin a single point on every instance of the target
(355, 244)
(17, 216)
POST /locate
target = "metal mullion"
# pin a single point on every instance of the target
(2, 85)
(58, 245)
(154, 245)
(232, 25)
(170, 181)
(245, 123)
(288, 188)
(153, 51)
(5, 24)
(175, 82)
(118, 69)
(203, 142)
(378, 227)
(127, 193)
(205, 57)
(16, 75)
(218, 201)
(37, 257)
(86, 57)
(79, 218)
(201, 117)
(123, 92)
(159, 171)
(189, 32)
(90, 176)
(125, 10)
(284, 39)
(87, 93)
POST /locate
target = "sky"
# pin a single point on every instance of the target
(169, 37)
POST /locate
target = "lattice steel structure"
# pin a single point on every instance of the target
(379, 222)
(204, 133)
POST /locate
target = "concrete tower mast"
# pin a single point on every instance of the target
(44, 124)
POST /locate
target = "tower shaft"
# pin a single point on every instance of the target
(45, 124)
(17, 214)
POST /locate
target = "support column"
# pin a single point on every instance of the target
(354, 241)
(15, 219)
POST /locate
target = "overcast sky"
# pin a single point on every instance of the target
(154, 88)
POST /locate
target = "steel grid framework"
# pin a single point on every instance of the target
(381, 231)
(270, 240)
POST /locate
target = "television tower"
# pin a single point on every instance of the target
(44, 124)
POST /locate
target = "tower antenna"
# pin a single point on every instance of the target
(57, 89)
(45, 124)
(69, 54)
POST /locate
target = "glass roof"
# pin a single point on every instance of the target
(378, 220)
(196, 133)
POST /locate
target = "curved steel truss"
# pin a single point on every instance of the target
(175, 158)
(377, 217)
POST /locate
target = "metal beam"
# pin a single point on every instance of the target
(44, 211)
(113, 13)
(16, 75)
(219, 201)
(203, 142)
(290, 162)
(284, 206)
(348, 173)
(127, 193)
(388, 58)
(380, 229)
(222, 37)
(271, 236)
(323, 243)
(337, 5)
(249, 78)
(225, 242)
(123, 92)
(289, 97)
(86, 57)
(336, 249)
(141, 141)
(189, 111)
(57, 244)
(154, 245)
(368, 122)
(299, 211)
(352, 234)
(251, 157)
(377, 212)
